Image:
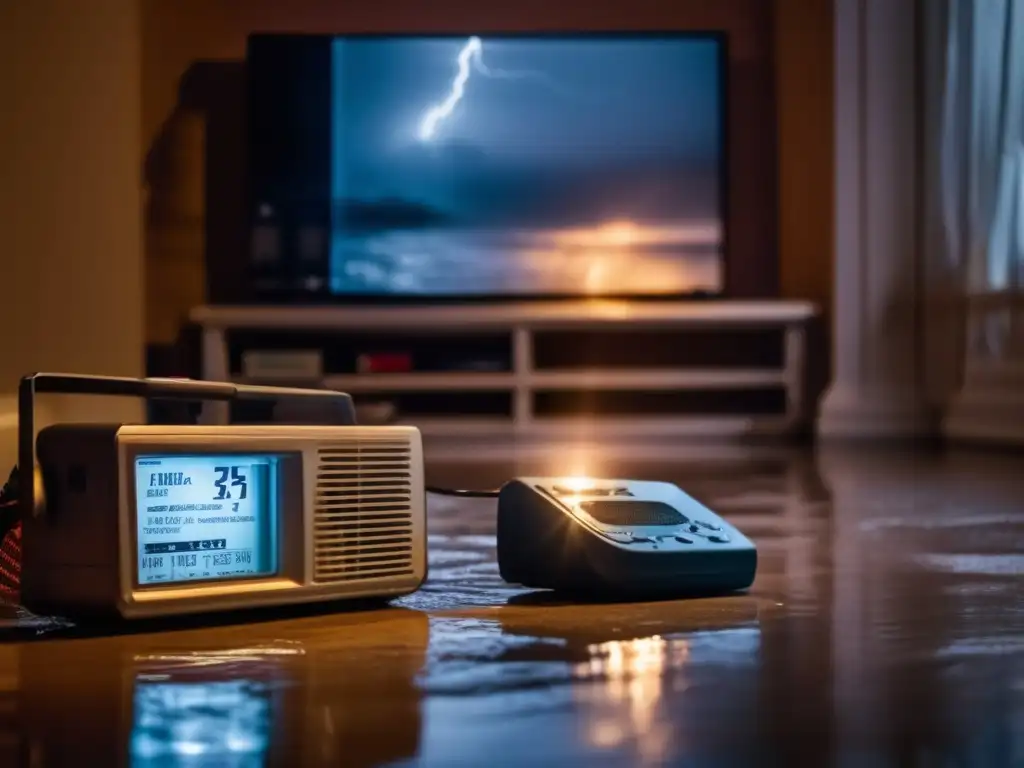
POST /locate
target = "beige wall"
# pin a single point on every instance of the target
(70, 198)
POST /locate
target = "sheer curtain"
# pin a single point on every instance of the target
(982, 139)
(974, 200)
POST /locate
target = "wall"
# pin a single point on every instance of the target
(178, 33)
(804, 49)
(70, 199)
(803, 82)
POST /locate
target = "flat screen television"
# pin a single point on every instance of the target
(441, 168)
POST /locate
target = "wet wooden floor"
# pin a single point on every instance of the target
(885, 628)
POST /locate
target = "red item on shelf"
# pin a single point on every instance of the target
(387, 362)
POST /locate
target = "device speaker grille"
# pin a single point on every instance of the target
(363, 522)
(627, 513)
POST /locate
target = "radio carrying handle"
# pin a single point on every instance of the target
(340, 404)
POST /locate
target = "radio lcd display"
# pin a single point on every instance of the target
(204, 517)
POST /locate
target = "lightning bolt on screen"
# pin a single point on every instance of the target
(532, 166)
(206, 517)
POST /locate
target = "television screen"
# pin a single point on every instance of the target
(477, 166)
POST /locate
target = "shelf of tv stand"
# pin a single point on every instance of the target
(596, 379)
(528, 380)
(505, 315)
(604, 427)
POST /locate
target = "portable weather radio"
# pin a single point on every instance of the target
(628, 538)
(154, 520)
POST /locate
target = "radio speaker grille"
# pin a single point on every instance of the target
(363, 523)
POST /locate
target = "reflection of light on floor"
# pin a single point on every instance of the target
(222, 720)
(633, 672)
(259, 654)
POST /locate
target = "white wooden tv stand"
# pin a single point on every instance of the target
(532, 381)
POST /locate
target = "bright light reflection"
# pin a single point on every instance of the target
(632, 672)
(577, 484)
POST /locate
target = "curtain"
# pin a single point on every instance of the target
(973, 197)
(981, 143)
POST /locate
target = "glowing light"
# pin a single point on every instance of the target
(577, 484)
(619, 233)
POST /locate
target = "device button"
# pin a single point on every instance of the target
(643, 540)
(719, 538)
(708, 526)
(694, 528)
(683, 540)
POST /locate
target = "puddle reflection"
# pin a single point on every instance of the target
(615, 683)
(207, 707)
(640, 686)
(226, 722)
(338, 690)
(633, 672)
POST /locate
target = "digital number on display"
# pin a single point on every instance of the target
(205, 517)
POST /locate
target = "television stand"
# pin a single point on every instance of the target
(577, 369)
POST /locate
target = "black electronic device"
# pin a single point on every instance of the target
(617, 538)
(437, 168)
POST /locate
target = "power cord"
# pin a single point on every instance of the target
(464, 493)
